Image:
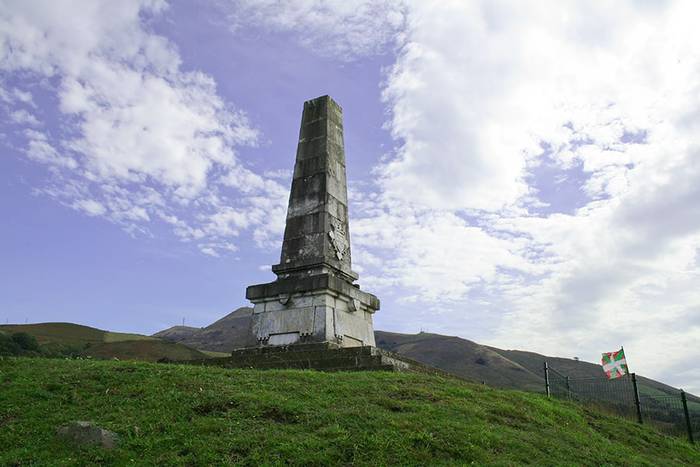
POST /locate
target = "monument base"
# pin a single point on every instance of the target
(324, 356)
(320, 357)
(315, 309)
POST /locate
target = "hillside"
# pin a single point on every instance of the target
(220, 336)
(70, 333)
(190, 415)
(149, 351)
(513, 369)
(579, 369)
(461, 357)
(177, 333)
(75, 339)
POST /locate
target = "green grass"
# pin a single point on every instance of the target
(75, 339)
(645, 390)
(71, 334)
(191, 415)
(124, 336)
(144, 350)
(214, 354)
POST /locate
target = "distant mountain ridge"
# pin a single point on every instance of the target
(515, 369)
(461, 357)
(220, 336)
(87, 341)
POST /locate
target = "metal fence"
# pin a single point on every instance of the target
(673, 414)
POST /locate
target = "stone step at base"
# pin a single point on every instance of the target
(338, 361)
(312, 347)
(304, 355)
(319, 356)
(381, 367)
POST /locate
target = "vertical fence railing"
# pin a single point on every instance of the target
(675, 414)
(686, 412)
(637, 402)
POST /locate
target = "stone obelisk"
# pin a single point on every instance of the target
(315, 299)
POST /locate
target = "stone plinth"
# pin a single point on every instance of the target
(319, 356)
(324, 356)
(319, 308)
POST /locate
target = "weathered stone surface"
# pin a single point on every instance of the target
(319, 194)
(311, 283)
(88, 433)
(317, 356)
(314, 298)
(323, 356)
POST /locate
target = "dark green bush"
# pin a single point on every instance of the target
(25, 341)
(8, 346)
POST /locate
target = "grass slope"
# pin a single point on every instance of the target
(149, 351)
(514, 369)
(190, 415)
(223, 335)
(461, 357)
(105, 344)
(70, 333)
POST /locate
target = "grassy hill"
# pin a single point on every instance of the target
(149, 351)
(70, 333)
(578, 369)
(513, 369)
(461, 357)
(187, 415)
(87, 341)
(223, 335)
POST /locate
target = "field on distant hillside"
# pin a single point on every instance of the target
(69, 333)
(191, 415)
(74, 339)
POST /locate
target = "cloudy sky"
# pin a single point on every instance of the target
(521, 174)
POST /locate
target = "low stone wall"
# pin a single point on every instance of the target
(322, 357)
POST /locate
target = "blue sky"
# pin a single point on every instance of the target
(521, 174)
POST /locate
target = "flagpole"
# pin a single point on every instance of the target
(622, 347)
(635, 388)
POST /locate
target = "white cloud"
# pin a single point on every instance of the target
(16, 95)
(335, 28)
(23, 117)
(40, 149)
(90, 206)
(215, 249)
(478, 89)
(141, 136)
(479, 95)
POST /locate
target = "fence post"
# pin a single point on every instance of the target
(568, 388)
(546, 378)
(684, 399)
(637, 403)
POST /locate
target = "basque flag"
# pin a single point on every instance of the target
(615, 364)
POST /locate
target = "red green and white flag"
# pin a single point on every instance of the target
(615, 364)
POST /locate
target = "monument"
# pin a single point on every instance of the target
(315, 298)
(314, 315)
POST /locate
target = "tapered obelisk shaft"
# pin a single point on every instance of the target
(317, 234)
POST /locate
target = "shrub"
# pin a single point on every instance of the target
(25, 341)
(8, 346)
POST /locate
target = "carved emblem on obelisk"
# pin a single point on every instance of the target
(339, 240)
